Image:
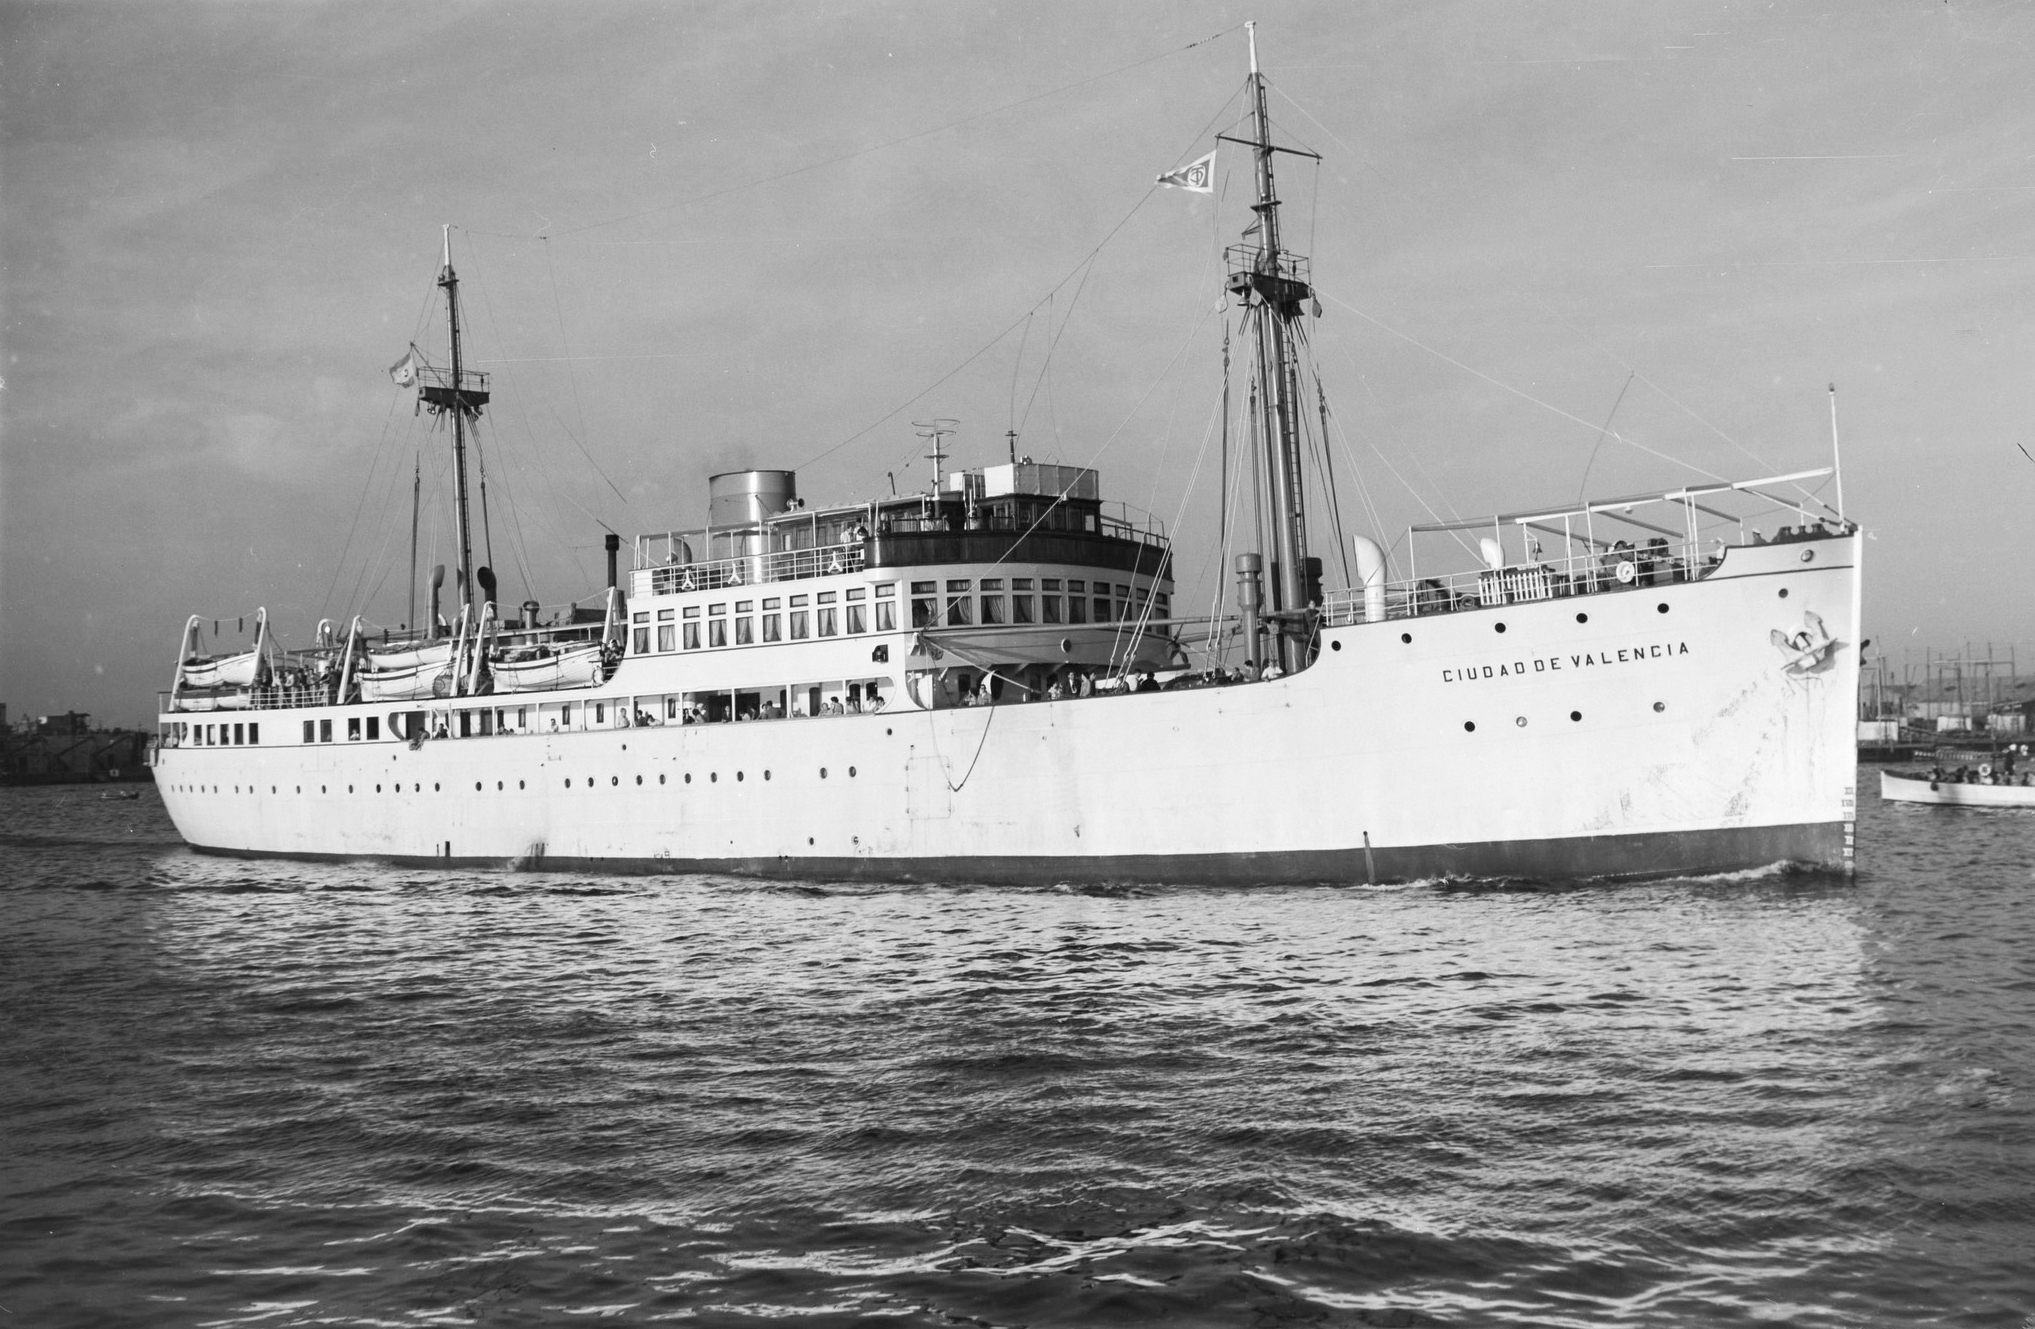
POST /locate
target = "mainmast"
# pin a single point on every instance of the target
(462, 394)
(1273, 287)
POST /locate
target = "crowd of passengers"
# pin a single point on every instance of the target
(2003, 774)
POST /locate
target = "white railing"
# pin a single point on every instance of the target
(748, 570)
(1544, 579)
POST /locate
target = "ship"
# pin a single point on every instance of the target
(991, 678)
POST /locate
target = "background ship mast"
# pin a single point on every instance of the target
(1272, 286)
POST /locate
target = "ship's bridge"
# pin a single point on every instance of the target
(1023, 512)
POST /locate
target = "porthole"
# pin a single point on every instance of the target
(1406, 637)
(377, 789)
(476, 786)
(434, 787)
(823, 772)
(1784, 592)
(519, 784)
(498, 784)
(1521, 722)
(1335, 645)
(1808, 556)
(589, 782)
(300, 789)
(766, 775)
(886, 733)
(568, 783)
(1575, 715)
(688, 777)
(713, 777)
(660, 779)
(851, 772)
(1469, 726)
(215, 788)
(1582, 618)
(639, 779)
(738, 775)
(349, 789)
(809, 839)
(1500, 627)
(614, 780)
(1661, 608)
(1659, 706)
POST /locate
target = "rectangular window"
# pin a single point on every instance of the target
(1077, 609)
(959, 584)
(773, 627)
(1102, 609)
(1123, 592)
(643, 617)
(1049, 609)
(745, 606)
(1076, 585)
(692, 636)
(773, 604)
(353, 729)
(324, 731)
(239, 734)
(922, 613)
(466, 724)
(1049, 584)
(600, 712)
(858, 618)
(828, 626)
(692, 611)
(798, 626)
(671, 708)
(858, 593)
(886, 615)
(827, 597)
(717, 609)
(1021, 609)
(717, 632)
(641, 646)
(888, 588)
(667, 636)
(310, 731)
(960, 610)
(991, 584)
(745, 632)
(1162, 603)
(798, 601)
(206, 740)
(925, 587)
(664, 616)
(992, 608)
(1021, 583)
(254, 732)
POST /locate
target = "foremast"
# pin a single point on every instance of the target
(459, 393)
(1272, 286)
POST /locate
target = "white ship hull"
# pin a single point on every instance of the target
(1664, 735)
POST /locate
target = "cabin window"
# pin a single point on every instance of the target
(1075, 585)
(960, 608)
(773, 627)
(239, 734)
(641, 645)
(798, 626)
(991, 584)
(466, 724)
(922, 613)
(888, 588)
(1021, 608)
(353, 729)
(205, 735)
(1049, 609)
(858, 617)
(716, 609)
(643, 617)
(886, 615)
(858, 593)
(773, 603)
(1102, 609)
(745, 632)
(692, 636)
(717, 632)
(745, 606)
(310, 734)
(667, 636)
(829, 624)
(1077, 609)
(1163, 604)
(254, 732)
(692, 611)
(600, 712)
(324, 731)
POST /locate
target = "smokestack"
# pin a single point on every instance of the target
(614, 547)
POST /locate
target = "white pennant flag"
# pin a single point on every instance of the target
(1196, 177)
(404, 371)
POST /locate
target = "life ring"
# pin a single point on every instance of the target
(1628, 572)
(1985, 768)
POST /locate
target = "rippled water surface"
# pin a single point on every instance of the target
(280, 1094)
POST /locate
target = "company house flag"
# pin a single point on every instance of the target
(1196, 176)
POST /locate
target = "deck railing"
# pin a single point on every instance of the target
(1544, 579)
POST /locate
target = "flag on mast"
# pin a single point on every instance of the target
(404, 371)
(1196, 177)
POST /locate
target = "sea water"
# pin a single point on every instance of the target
(276, 1094)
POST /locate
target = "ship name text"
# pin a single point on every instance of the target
(1552, 664)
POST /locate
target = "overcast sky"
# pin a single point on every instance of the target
(699, 236)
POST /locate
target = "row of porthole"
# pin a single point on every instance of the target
(712, 776)
(1662, 608)
(1470, 726)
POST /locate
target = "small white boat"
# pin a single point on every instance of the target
(569, 669)
(231, 671)
(409, 657)
(1917, 787)
(413, 683)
